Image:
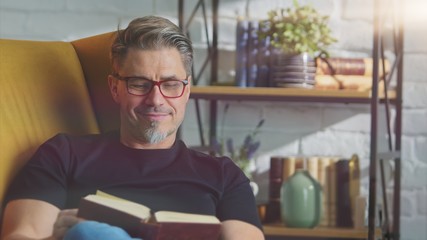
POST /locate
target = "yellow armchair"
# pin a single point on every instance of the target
(51, 87)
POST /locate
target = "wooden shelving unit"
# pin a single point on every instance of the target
(220, 93)
(374, 97)
(318, 232)
(284, 94)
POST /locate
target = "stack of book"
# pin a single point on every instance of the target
(348, 73)
(252, 55)
(340, 181)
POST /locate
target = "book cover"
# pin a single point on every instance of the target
(322, 176)
(180, 231)
(350, 82)
(289, 164)
(242, 38)
(343, 201)
(252, 66)
(139, 221)
(275, 184)
(332, 191)
(327, 179)
(313, 167)
(349, 66)
(263, 59)
(281, 168)
(354, 187)
(326, 82)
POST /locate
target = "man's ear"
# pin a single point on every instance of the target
(188, 87)
(190, 81)
(112, 83)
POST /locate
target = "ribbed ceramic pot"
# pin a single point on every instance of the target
(292, 70)
(301, 201)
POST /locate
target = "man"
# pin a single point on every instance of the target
(143, 162)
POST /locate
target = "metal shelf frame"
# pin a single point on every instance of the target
(390, 231)
(212, 56)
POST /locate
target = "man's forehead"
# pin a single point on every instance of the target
(165, 62)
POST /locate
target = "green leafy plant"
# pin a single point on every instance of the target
(297, 30)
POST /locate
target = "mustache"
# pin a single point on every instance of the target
(149, 110)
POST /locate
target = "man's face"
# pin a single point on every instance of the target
(153, 118)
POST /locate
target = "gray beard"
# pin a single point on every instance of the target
(152, 135)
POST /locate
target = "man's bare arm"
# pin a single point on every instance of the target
(33, 219)
(27, 219)
(237, 230)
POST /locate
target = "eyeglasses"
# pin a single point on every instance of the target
(140, 86)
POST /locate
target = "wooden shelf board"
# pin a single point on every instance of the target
(280, 230)
(283, 94)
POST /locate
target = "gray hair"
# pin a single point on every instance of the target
(151, 33)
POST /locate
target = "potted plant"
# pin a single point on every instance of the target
(298, 34)
(297, 30)
(241, 155)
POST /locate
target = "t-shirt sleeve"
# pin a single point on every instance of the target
(238, 200)
(44, 175)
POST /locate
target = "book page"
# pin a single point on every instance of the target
(104, 194)
(169, 216)
(120, 204)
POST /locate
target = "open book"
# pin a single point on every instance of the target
(138, 220)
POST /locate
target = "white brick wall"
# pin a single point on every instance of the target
(290, 128)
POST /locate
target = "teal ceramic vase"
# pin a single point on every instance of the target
(301, 200)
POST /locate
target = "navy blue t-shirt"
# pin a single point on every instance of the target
(66, 168)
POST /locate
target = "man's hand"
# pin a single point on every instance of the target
(66, 219)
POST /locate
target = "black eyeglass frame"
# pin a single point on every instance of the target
(153, 83)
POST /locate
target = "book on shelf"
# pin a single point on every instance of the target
(350, 66)
(252, 65)
(332, 193)
(313, 167)
(322, 168)
(275, 184)
(349, 73)
(289, 166)
(343, 200)
(356, 200)
(322, 178)
(349, 82)
(139, 221)
(263, 59)
(242, 41)
(252, 55)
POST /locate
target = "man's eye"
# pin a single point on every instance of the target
(136, 86)
(139, 84)
(171, 84)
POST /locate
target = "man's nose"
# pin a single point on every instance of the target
(155, 97)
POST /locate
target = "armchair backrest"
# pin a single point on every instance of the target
(47, 88)
(93, 53)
